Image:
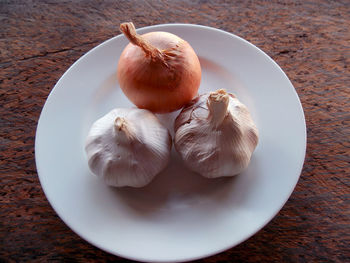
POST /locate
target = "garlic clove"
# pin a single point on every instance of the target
(128, 147)
(215, 135)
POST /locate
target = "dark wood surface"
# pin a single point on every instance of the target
(310, 40)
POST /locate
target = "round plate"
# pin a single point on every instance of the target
(180, 216)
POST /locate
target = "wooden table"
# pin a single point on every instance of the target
(310, 40)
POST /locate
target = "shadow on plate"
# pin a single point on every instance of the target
(176, 188)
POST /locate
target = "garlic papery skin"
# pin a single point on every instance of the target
(128, 147)
(215, 135)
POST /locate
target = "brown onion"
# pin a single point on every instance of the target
(158, 71)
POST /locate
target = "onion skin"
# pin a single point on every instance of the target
(163, 80)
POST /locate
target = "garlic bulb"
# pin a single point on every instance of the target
(215, 135)
(128, 147)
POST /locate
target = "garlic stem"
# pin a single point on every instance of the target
(122, 128)
(128, 29)
(119, 123)
(217, 105)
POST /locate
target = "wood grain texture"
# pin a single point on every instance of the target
(310, 40)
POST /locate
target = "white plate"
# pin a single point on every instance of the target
(180, 216)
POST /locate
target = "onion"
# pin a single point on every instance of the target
(158, 71)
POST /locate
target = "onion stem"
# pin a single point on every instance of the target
(128, 29)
